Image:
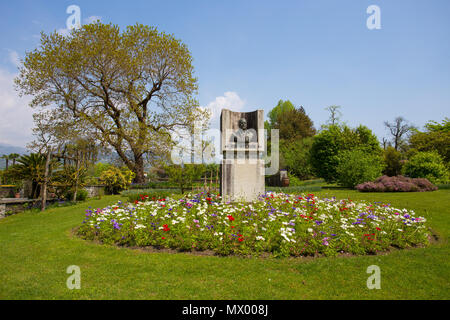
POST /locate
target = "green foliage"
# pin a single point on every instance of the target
(82, 195)
(294, 124)
(116, 179)
(434, 126)
(435, 138)
(295, 129)
(296, 155)
(357, 166)
(185, 175)
(295, 188)
(147, 194)
(66, 179)
(427, 165)
(392, 162)
(294, 181)
(143, 77)
(99, 168)
(280, 108)
(334, 139)
(30, 167)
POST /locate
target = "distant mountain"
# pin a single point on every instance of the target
(8, 149)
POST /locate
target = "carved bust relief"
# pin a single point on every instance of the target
(243, 137)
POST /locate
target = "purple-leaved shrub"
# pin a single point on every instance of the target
(396, 184)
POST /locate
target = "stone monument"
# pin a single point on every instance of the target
(242, 147)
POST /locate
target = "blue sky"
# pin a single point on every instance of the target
(249, 54)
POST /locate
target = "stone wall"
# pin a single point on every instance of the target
(13, 206)
(94, 191)
(6, 192)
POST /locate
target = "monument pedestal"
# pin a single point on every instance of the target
(242, 180)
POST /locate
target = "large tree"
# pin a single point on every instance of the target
(398, 129)
(279, 109)
(335, 114)
(294, 124)
(129, 89)
(436, 137)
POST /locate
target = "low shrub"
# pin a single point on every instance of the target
(392, 162)
(81, 195)
(144, 194)
(396, 184)
(295, 189)
(429, 165)
(356, 166)
(116, 179)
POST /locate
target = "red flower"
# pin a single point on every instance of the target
(230, 217)
(378, 229)
(163, 238)
(232, 227)
(166, 227)
(240, 239)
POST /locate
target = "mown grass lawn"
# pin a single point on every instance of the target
(36, 248)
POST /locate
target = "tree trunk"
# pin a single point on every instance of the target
(44, 186)
(76, 177)
(139, 169)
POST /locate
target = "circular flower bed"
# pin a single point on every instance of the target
(281, 224)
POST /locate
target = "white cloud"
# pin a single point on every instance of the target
(229, 100)
(16, 120)
(14, 58)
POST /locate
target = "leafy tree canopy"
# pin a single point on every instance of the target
(436, 138)
(334, 139)
(127, 88)
(280, 108)
(294, 124)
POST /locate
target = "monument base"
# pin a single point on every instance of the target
(242, 180)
